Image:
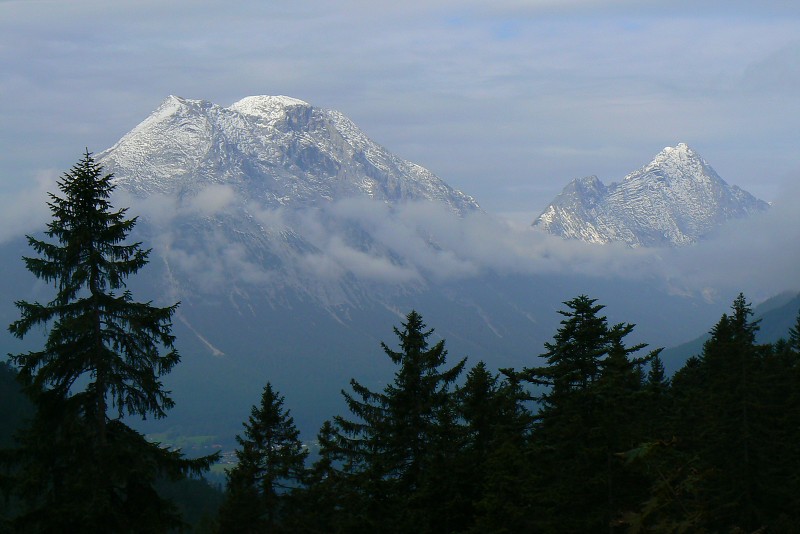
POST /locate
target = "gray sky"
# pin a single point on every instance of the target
(505, 100)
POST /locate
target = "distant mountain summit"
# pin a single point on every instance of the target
(276, 194)
(674, 200)
(276, 150)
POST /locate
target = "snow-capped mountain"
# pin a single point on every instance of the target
(674, 200)
(276, 150)
(275, 194)
(295, 244)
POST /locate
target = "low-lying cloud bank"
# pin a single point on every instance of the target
(372, 241)
(424, 243)
(759, 255)
(217, 237)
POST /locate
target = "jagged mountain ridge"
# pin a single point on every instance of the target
(278, 150)
(676, 199)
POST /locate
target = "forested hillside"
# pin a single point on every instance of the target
(597, 439)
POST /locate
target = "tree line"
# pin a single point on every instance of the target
(594, 439)
(597, 439)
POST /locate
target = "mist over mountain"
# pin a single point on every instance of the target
(294, 244)
(675, 200)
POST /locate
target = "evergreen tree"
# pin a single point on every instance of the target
(622, 410)
(730, 402)
(731, 464)
(15, 412)
(575, 354)
(777, 424)
(318, 505)
(794, 336)
(479, 409)
(15, 407)
(507, 502)
(441, 502)
(493, 459)
(390, 446)
(270, 464)
(657, 402)
(687, 420)
(676, 500)
(657, 381)
(786, 400)
(79, 468)
(673, 502)
(583, 421)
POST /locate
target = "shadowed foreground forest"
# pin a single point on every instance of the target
(596, 439)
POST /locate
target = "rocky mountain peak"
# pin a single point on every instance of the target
(275, 109)
(674, 164)
(277, 150)
(265, 105)
(674, 200)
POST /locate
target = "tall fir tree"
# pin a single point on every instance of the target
(589, 380)
(622, 409)
(79, 467)
(497, 426)
(318, 506)
(270, 465)
(657, 401)
(391, 445)
(778, 433)
(735, 418)
(794, 336)
(729, 440)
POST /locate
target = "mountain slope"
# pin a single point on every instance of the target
(675, 200)
(277, 150)
(274, 192)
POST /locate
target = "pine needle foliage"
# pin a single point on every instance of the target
(391, 445)
(78, 466)
(271, 461)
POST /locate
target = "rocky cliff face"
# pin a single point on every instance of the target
(674, 200)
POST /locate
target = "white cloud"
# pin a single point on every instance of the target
(423, 243)
(210, 200)
(25, 211)
(758, 256)
(414, 243)
(372, 267)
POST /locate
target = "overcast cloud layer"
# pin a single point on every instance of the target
(506, 100)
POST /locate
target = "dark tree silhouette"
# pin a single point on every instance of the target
(80, 468)
(271, 462)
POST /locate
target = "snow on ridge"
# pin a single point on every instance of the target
(265, 106)
(277, 149)
(674, 200)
